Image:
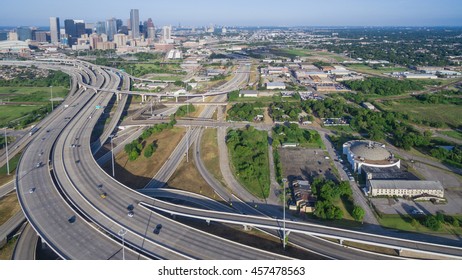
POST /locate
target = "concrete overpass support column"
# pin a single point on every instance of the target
(340, 241)
(176, 99)
(247, 228)
(203, 98)
(399, 251)
(143, 98)
(119, 96)
(208, 222)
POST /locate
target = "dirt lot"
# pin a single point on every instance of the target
(9, 206)
(304, 163)
(188, 178)
(136, 174)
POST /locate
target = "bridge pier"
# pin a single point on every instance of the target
(176, 99)
(119, 96)
(208, 222)
(340, 241)
(399, 251)
(203, 98)
(143, 98)
(247, 228)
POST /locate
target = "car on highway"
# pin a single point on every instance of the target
(103, 195)
(31, 190)
(157, 229)
(38, 164)
(130, 213)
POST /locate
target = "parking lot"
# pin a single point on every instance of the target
(406, 207)
(305, 164)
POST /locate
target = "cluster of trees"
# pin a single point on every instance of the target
(285, 111)
(135, 148)
(442, 97)
(328, 108)
(403, 46)
(245, 111)
(385, 87)
(327, 193)
(218, 77)
(143, 56)
(436, 222)
(453, 156)
(249, 156)
(292, 133)
(183, 110)
(29, 79)
(233, 96)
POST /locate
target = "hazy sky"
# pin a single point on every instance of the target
(240, 12)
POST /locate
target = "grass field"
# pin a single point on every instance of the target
(445, 113)
(404, 223)
(453, 133)
(188, 178)
(10, 113)
(209, 154)
(6, 253)
(4, 178)
(9, 206)
(31, 94)
(369, 70)
(136, 174)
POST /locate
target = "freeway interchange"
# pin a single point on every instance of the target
(81, 212)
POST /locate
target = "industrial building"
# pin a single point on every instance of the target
(368, 153)
(415, 189)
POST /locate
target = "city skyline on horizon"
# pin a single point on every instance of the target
(241, 13)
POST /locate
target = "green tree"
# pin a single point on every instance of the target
(358, 213)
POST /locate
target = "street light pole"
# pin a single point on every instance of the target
(7, 158)
(187, 144)
(122, 233)
(112, 155)
(284, 215)
(51, 89)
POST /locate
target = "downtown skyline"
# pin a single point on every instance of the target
(243, 13)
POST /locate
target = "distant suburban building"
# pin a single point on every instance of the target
(368, 105)
(276, 85)
(248, 93)
(419, 76)
(368, 153)
(412, 188)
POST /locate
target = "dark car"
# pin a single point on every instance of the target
(157, 229)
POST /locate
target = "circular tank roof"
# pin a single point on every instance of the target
(369, 150)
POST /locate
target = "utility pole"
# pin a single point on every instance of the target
(112, 155)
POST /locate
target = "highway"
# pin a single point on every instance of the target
(57, 223)
(26, 245)
(60, 187)
(6, 188)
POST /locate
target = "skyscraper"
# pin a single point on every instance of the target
(69, 27)
(54, 30)
(167, 33)
(135, 23)
(150, 29)
(24, 33)
(100, 27)
(111, 28)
